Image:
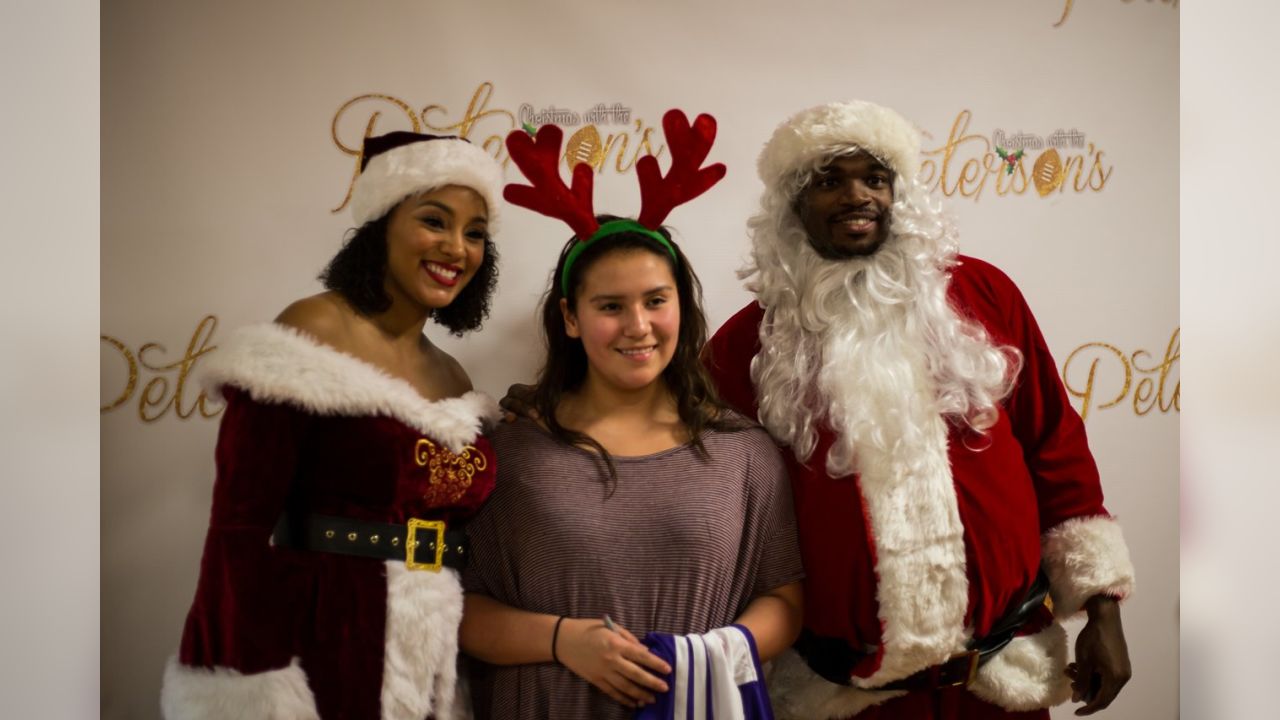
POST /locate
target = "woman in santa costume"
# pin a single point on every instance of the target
(348, 458)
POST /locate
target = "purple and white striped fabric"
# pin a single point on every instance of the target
(714, 676)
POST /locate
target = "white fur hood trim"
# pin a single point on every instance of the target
(196, 693)
(1085, 557)
(278, 364)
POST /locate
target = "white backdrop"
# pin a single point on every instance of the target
(220, 172)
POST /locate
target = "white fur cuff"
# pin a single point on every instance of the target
(196, 693)
(798, 693)
(1085, 557)
(1028, 674)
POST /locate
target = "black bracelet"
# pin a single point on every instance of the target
(554, 635)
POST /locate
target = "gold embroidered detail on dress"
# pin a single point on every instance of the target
(449, 473)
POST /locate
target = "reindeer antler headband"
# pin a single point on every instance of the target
(538, 157)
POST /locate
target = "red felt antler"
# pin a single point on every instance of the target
(685, 180)
(539, 159)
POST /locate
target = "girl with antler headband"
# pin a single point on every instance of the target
(637, 504)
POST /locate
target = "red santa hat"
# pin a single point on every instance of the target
(400, 164)
(826, 130)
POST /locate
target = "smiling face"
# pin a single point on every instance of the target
(435, 244)
(627, 315)
(845, 206)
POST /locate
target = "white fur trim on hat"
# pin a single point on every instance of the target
(422, 166)
(278, 364)
(826, 129)
(198, 693)
(1084, 557)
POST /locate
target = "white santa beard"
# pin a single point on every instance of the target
(875, 377)
(849, 349)
(870, 348)
(870, 345)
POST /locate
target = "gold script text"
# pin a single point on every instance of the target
(967, 164)
(157, 397)
(480, 123)
(1157, 385)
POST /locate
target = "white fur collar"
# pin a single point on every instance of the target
(278, 364)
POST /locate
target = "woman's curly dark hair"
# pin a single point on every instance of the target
(359, 270)
(565, 368)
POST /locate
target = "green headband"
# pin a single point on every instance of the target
(613, 227)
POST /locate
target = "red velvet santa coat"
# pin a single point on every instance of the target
(1025, 493)
(281, 633)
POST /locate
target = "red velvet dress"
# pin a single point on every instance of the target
(277, 632)
(1027, 491)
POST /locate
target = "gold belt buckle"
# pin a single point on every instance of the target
(411, 544)
(973, 656)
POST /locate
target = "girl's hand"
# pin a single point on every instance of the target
(614, 662)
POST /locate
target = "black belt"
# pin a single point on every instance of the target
(421, 544)
(834, 660)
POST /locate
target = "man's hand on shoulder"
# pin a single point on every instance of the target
(518, 402)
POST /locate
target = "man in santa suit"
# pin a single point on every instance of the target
(943, 483)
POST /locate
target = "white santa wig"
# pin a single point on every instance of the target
(869, 345)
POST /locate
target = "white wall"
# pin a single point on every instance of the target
(219, 174)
